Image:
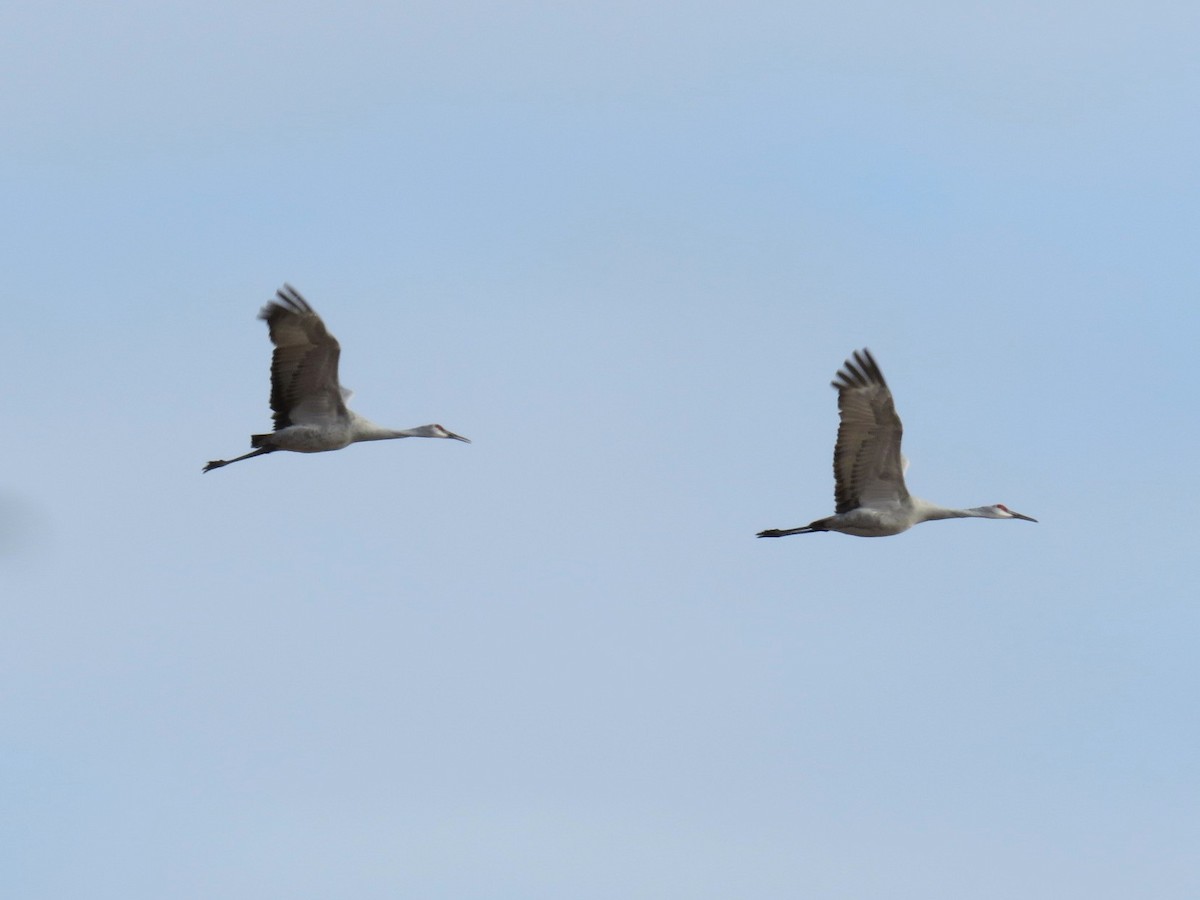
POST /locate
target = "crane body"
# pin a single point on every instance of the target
(308, 403)
(871, 497)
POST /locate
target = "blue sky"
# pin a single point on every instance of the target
(624, 248)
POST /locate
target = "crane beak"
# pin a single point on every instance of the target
(458, 437)
(1017, 515)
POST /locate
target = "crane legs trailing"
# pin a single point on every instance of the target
(217, 463)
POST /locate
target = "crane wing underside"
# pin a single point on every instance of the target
(304, 388)
(304, 367)
(868, 468)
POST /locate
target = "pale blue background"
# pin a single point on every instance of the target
(624, 247)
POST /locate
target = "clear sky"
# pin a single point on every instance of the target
(624, 247)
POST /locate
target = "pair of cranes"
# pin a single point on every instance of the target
(311, 416)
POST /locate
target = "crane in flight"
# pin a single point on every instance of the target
(309, 404)
(868, 468)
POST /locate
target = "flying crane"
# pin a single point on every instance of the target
(309, 404)
(868, 468)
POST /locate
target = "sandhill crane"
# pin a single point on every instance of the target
(308, 402)
(868, 468)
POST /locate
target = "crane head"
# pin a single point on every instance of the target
(1000, 511)
(439, 431)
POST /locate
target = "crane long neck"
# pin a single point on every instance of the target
(366, 430)
(376, 433)
(944, 513)
(931, 511)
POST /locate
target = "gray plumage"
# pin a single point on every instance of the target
(307, 400)
(871, 499)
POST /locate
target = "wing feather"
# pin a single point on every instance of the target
(868, 469)
(304, 367)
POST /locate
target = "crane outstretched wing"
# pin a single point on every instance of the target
(304, 367)
(868, 469)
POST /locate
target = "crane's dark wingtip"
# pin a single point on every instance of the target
(286, 300)
(859, 371)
